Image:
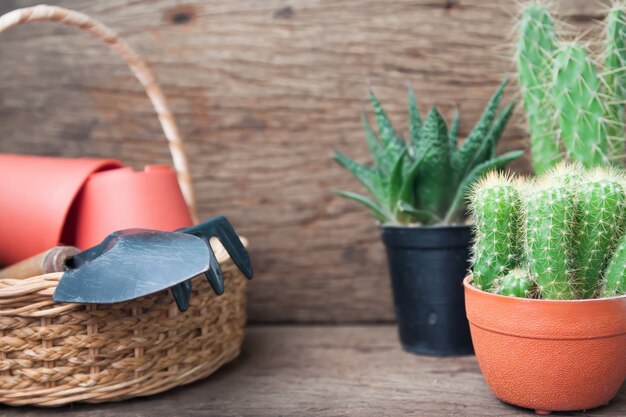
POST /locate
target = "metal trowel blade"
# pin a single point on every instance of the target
(132, 263)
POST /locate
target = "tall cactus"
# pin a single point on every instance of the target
(615, 77)
(576, 91)
(550, 214)
(561, 79)
(615, 50)
(496, 209)
(536, 45)
(614, 282)
(600, 223)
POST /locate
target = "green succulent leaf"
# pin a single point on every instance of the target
(433, 178)
(407, 192)
(378, 212)
(392, 143)
(488, 147)
(415, 119)
(463, 158)
(454, 129)
(396, 181)
(499, 125)
(454, 212)
(422, 216)
(368, 176)
(374, 145)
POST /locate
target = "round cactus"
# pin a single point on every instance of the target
(517, 283)
(549, 209)
(614, 282)
(496, 211)
(600, 223)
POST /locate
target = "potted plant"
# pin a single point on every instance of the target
(546, 302)
(419, 188)
(546, 299)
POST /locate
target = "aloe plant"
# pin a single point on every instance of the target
(425, 179)
(568, 240)
(572, 103)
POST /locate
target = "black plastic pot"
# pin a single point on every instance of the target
(427, 266)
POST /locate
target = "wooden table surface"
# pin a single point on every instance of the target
(324, 371)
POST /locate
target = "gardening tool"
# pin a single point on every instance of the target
(52, 260)
(134, 263)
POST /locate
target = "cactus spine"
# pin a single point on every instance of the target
(536, 45)
(614, 282)
(549, 215)
(516, 283)
(496, 209)
(601, 202)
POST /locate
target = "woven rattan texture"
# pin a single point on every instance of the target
(52, 354)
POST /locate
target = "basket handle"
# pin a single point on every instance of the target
(45, 13)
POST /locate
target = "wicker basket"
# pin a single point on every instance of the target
(53, 353)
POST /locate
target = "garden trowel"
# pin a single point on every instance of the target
(133, 263)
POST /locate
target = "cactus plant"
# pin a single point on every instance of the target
(601, 218)
(615, 76)
(614, 282)
(496, 209)
(537, 43)
(549, 214)
(516, 283)
(581, 113)
(570, 242)
(558, 78)
(425, 180)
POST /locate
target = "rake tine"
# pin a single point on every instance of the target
(221, 228)
(182, 293)
(214, 274)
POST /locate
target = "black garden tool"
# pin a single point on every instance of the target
(136, 262)
(220, 228)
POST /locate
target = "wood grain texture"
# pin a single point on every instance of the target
(325, 371)
(263, 91)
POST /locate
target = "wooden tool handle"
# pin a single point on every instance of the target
(52, 260)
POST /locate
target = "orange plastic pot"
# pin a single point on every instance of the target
(124, 199)
(549, 355)
(36, 194)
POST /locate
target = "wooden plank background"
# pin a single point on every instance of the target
(263, 91)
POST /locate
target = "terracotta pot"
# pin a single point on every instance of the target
(36, 194)
(124, 199)
(549, 355)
